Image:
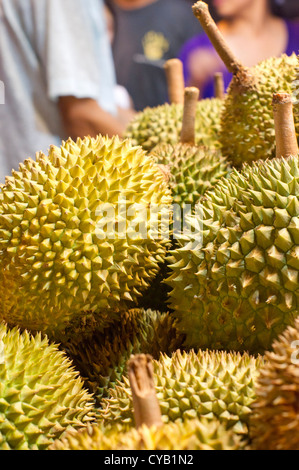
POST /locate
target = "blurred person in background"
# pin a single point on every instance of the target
(121, 95)
(57, 71)
(286, 8)
(148, 33)
(253, 33)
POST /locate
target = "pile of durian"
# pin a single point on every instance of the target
(120, 331)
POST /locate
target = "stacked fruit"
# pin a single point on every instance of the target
(96, 274)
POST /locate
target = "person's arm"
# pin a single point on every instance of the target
(84, 117)
(78, 67)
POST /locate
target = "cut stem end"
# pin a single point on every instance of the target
(219, 86)
(285, 131)
(191, 97)
(175, 80)
(146, 406)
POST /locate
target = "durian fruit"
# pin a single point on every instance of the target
(163, 124)
(80, 236)
(193, 169)
(247, 128)
(197, 434)
(235, 274)
(192, 385)
(41, 394)
(150, 432)
(101, 360)
(274, 424)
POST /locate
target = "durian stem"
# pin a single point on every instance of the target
(285, 131)
(191, 96)
(175, 80)
(146, 406)
(201, 11)
(219, 86)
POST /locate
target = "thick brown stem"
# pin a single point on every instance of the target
(190, 105)
(175, 80)
(219, 86)
(201, 11)
(286, 140)
(146, 406)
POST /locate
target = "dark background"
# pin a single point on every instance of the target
(286, 8)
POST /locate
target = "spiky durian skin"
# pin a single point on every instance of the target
(163, 124)
(194, 434)
(102, 359)
(274, 424)
(71, 251)
(247, 122)
(194, 170)
(41, 394)
(190, 385)
(235, 284)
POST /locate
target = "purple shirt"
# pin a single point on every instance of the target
(202, 42)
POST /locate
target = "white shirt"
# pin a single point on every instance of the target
(48, 49)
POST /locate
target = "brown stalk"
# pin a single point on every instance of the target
(191, 96)
(175, 80)
(286, 140)
(146, 406)
(201, 11)
(244, 80)
(219, 86)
